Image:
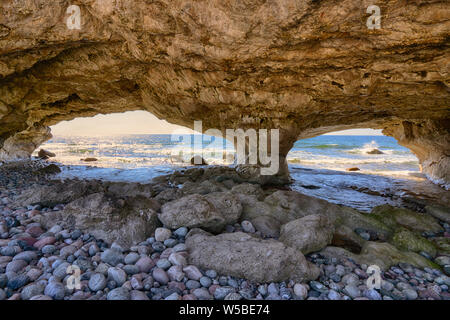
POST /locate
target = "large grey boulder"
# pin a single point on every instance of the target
(211, 212)
(125, 221)
(243, 256)
(308, 234)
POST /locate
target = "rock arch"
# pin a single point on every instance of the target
(305, 67)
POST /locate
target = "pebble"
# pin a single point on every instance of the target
(145, 264)
(247, 226)
(119, 294)
(138, 295)
(205, 282)
(211, 274)
(32, 290)
(410, 294)
(300, 291)
(163, 264)
(177, 259)
(181, 232)
(112, 257)
(192, 272)
(333, 295)
(221, 292)
(97, 282)
(48, 249)
(118, 275)
(131, 258)
(162, 234)
(352, 291)
(16, 266)
(55, 290)
(18, 281)
(372, 294)
(160, 275)
(202, 294)
(192, 284)
(176, 273)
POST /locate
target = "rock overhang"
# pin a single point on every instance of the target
(305, 68)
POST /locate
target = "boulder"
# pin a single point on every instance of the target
(308, 234)
(244, 256)
(394, 217)
(57, 193)
(211, 212)
(345, 237)
(125, 221)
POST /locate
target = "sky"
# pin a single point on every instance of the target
(139, 122)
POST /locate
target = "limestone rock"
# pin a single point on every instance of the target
(309, 234)
(211, 212)
(241, 255)
(126, 221)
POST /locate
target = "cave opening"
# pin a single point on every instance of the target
(134, 146)
(360, 168)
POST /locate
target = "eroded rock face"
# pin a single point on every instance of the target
(241, 255)
(304, 67)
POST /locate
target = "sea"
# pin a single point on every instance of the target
(318, 165)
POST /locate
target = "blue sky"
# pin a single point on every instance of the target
(138, 122)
